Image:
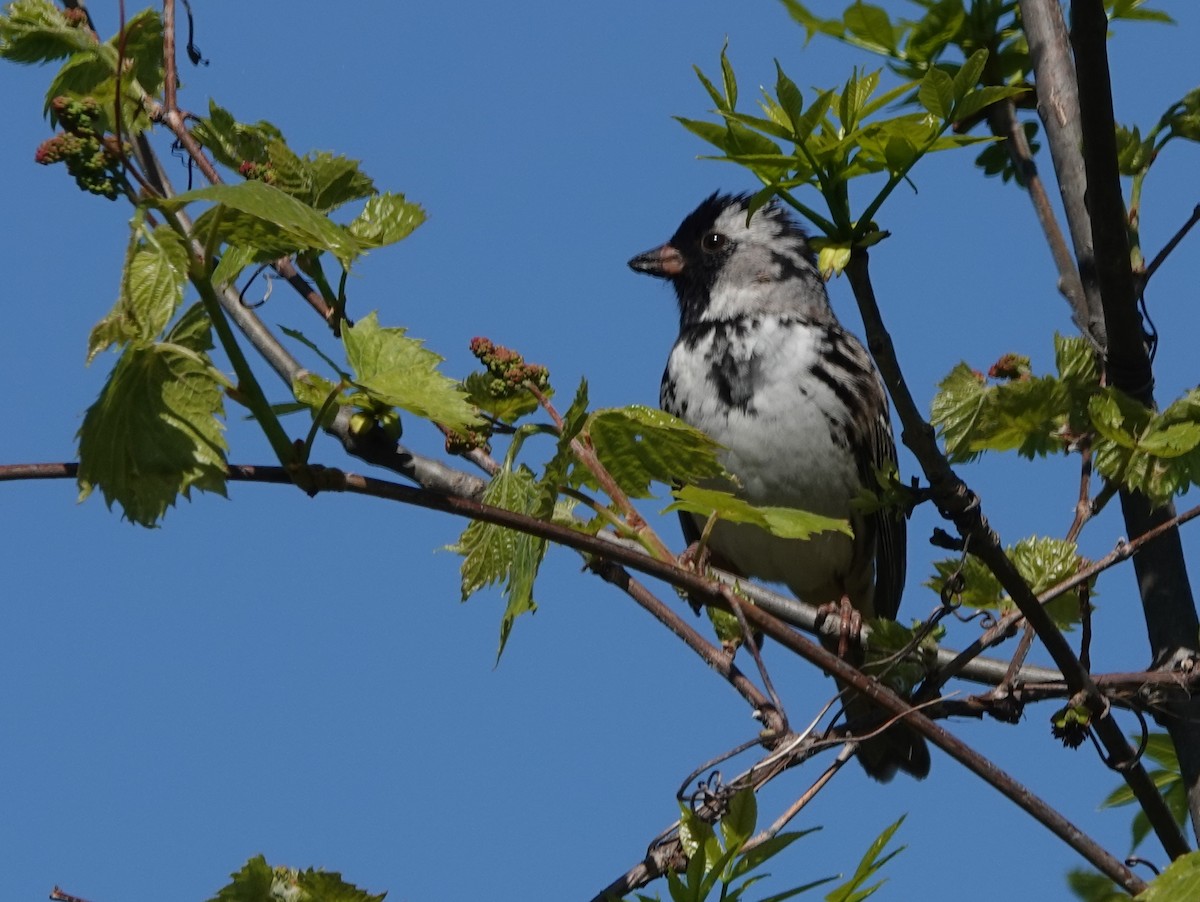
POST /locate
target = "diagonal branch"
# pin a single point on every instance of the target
(958, 503)
(1003, 121)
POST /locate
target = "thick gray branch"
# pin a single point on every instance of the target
(1058, 107)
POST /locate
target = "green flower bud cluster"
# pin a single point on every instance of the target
(91, 157)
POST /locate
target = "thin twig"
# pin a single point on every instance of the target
(1162, 255)
(1002, 118)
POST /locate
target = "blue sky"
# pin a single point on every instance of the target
(293, 676)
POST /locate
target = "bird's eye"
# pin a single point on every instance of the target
(712, 242)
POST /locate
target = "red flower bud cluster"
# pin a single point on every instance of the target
(507, 368)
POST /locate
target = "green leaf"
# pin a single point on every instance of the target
(1134, 155)
(870, 27)
(336, 180)
(768, 849)
(936, 93)
(853, 890)
(956, 411)
(232, 143)
(1132, 10)
(494, 554)
(739, 820)
(144, 47)
(1180, 882)
(507, 406)
(151, 291)
(791, 101)
(154, 433)
(967, 76)
(313, 392)
(639, 445)
(980, 98)
(257, 881)
(271, 220)
(234, 259)
(36, 31)
(929, 37)
(1044, 562)
(86, 74)
(980, 589)
(386, 219)
(1092, 886)
(785, 522)
(728, 80)
(398, 371)
(813, 25)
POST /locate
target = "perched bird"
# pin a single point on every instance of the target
(762, 366)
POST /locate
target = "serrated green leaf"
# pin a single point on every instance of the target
(785, 522)
(152, 286)
(154, 433)
(386, 219)
(1180, 882)
(936, 93)
(268, 219)
(232, 143)
(335, 180)
(1042, 561)
(980, 589)
(494, 554)
(257, 881)
(508, 407)
(639, 445)
(80, 76)
(956, 411)
(36, 31)
(314, 393)
(144, 48)
(400, 372)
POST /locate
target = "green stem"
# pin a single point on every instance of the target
(249, 390)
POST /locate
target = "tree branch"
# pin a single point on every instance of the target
(331, 479)
(1003, 121)
(959, 504)
(1058, 107)
(1161, 570)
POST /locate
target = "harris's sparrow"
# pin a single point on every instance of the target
(762, 366)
